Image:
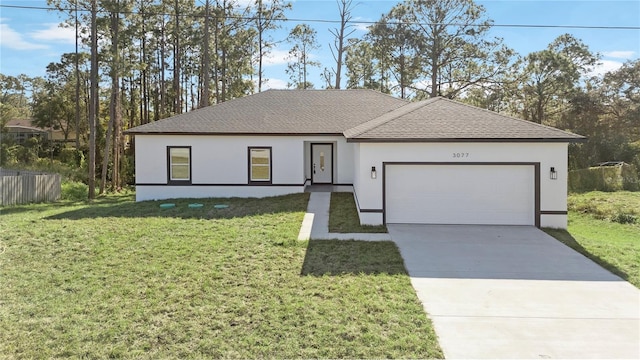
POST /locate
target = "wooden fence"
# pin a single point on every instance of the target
(22, 187)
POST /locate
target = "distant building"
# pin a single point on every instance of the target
(20, 130)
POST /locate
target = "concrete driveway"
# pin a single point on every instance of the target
(515, 292)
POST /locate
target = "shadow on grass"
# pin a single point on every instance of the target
(238, 207)
(41, 207)
(566, 238)
(339, 257)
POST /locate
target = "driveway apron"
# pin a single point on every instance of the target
(515, 292)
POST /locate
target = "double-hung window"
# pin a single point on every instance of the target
(260, 165)
(179, 164)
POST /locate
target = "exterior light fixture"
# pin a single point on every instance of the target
(553, 174)
(374, 174)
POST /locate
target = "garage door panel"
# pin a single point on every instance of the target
(460, 194)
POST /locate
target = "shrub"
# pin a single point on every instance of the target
(604, 178)
(624, 218)
(74, 191)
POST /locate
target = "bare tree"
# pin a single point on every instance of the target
(340, 34)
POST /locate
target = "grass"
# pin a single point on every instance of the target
(605, 205)
(117, 278)
(591, 231)
(343, 216)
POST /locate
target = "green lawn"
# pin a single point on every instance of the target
(343, 216)
(606, 205)
(593, 231)
(122, 279)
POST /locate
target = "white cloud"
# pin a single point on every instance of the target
(274, 84)
(620, 54)
(276, 57)
(12, 39)
(53, 32)
(604, 67)
(362, 26)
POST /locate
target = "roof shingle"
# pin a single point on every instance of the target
(280, 112)
(440, 119)
(360, 115)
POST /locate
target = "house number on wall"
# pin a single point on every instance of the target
(461, 155)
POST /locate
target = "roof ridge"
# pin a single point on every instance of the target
(389, 116)
(512, 117)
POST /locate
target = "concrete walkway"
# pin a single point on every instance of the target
(315, 225)
(515, 292)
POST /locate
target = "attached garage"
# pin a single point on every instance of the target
(438, 161)
(461, 193)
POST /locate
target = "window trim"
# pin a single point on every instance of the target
(169, 164)
(249, 164)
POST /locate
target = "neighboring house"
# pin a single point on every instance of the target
(434, 161)
(19, 130)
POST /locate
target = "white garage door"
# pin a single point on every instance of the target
(460, 194)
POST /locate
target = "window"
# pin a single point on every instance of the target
(179, 165)
(260, 165)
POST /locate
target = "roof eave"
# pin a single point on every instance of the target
(128, 132)
(467, 140)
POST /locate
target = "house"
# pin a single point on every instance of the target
(434, 161)
(19, 130)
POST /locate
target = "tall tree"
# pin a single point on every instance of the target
(177, 55)
(267, 17)
(303, 39)
(55, 103)
(551, 75)
(13, 99)
(396, 48)
(340, 35)
(361, 64)
(621, 89)
(438, 47)
(206, 59)
(93, 100)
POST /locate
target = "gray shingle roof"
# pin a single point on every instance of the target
(441, 119)
(360, 115)
(280, 112)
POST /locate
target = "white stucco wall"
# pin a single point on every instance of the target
(553, 193)
(223, 160)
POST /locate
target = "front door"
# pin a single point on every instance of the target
(322, 163)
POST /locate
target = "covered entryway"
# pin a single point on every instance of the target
(321, 163)
(461, 193)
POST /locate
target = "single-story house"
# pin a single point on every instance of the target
(436, 161)
(21, 129)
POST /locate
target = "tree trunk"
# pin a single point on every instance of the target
(177, 107)
(163, 89)
(206, 64)
(93, 101)
(260, 45)
(114, 107)
(77, 83)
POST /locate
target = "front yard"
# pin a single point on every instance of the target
(122, 279)
(605, 227)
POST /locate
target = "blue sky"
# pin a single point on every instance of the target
(31, 39)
